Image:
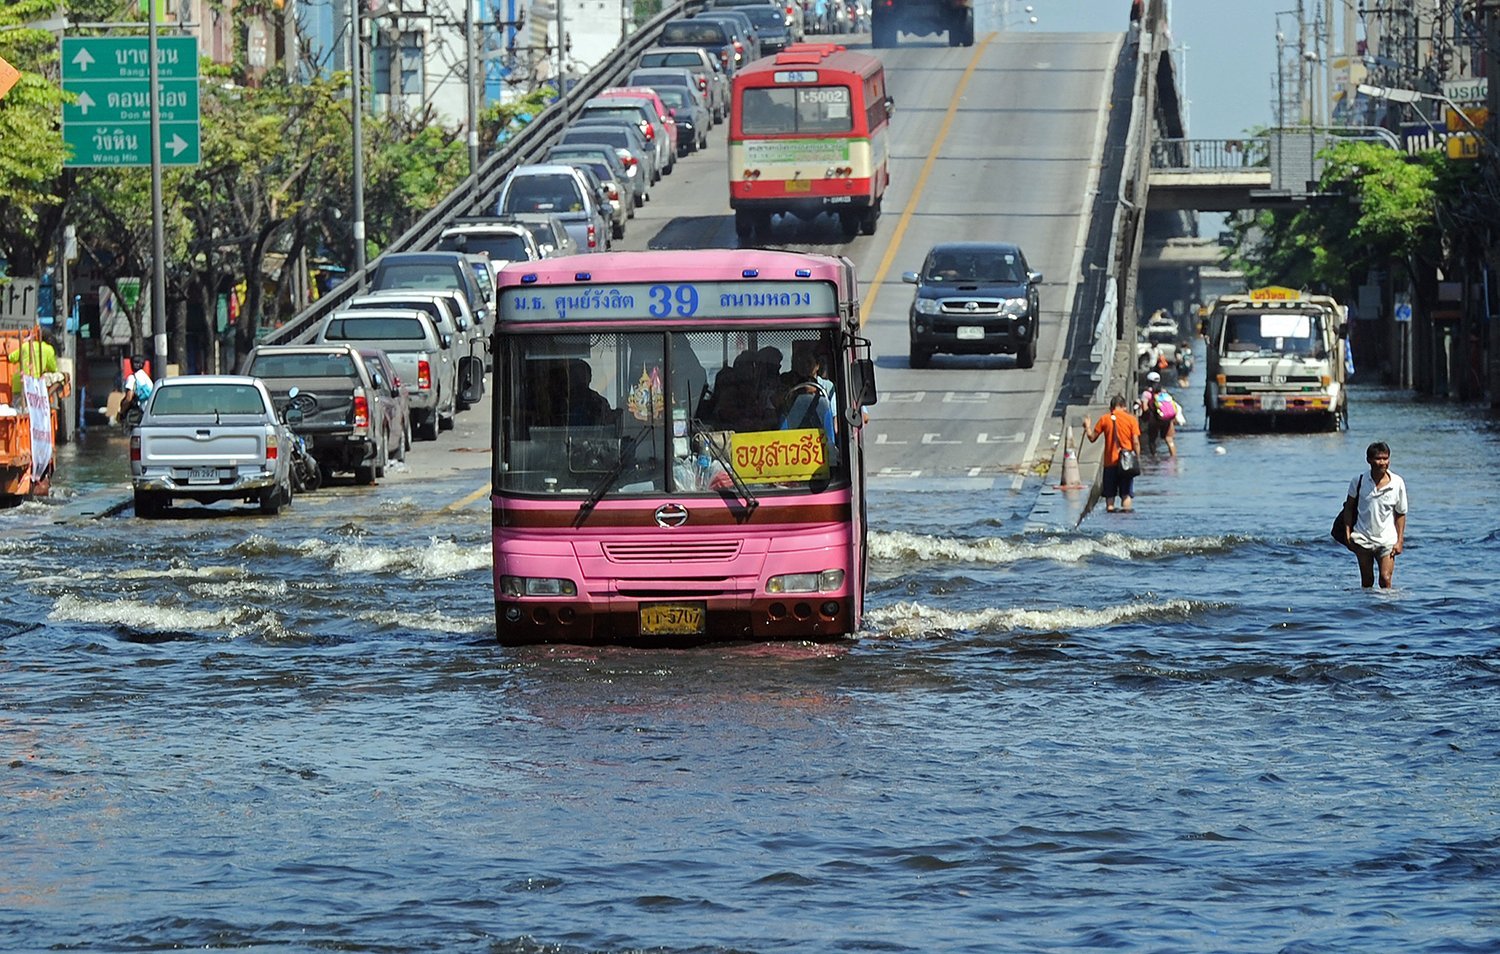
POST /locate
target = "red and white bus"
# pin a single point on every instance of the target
(810, 133)
(677, 451)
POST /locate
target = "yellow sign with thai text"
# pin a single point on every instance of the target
(774, 457)
(1274, 293)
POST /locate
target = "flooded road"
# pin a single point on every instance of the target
(1181, 729)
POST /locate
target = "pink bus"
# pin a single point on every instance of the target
(677, 453)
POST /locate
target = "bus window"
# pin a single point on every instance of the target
(804, 109)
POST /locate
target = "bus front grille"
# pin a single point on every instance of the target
(678, 551)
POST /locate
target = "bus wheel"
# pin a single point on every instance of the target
(868, 220)
(744, 224)
(850, 222)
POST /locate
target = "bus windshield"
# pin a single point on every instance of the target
(749, 411)
(807, 110)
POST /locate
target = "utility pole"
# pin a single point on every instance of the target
(471, 43)
(356, 114)
(158, 226)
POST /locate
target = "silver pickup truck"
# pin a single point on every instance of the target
(210, 438)
(338, 400)
(421, 356)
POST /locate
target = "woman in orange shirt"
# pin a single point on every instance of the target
(1121, 430)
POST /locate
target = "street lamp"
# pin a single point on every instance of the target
(1412, 97)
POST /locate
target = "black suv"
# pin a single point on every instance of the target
(974, 298)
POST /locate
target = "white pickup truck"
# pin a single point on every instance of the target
(422, 358)
(210, 438)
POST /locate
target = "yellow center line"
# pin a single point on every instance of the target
(867, 308)
(461, 504)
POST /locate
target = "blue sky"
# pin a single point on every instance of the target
(1230, 60)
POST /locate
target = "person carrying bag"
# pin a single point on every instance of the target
(1122, 453)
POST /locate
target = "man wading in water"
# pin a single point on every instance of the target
(1375, 512)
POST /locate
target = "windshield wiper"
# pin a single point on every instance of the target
(627, 454)
(741, 489)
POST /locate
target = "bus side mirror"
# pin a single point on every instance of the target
(890, 104)
(862, 382)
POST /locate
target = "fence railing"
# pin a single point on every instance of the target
(476, 194)
(1209, 155)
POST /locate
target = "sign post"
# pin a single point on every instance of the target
(110, 123)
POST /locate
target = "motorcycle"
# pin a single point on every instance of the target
(306, 474)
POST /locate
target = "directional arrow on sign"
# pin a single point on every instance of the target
(85, 101)
(84, 59)
(177, 145)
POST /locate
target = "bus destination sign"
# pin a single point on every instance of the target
(668, 301)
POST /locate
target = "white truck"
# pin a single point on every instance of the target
(1276, 359)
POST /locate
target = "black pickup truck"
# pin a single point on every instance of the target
(338, 399)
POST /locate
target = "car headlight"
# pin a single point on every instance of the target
(1013, 306)
(928, 306)
(825, 582)
(518, 586)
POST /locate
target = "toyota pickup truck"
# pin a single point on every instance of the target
(210, 438)
(422, 356)
(338, 400)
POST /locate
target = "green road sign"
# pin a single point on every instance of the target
(109, 123)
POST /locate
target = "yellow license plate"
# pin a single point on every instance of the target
(799, 185)
(673, 619)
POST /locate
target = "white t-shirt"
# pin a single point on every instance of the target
(1375, 525)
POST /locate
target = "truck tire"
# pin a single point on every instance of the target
(427, 426)
(270, 501)
(149, 503)
(1026, 357)
(364, 474)
(961, 30)
(919, 357)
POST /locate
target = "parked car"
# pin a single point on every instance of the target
(647, 117)
(552, 238)
(791, 12)
(395, 406)
(501, 242)
(705, 67)
(601, 154)
(210, 438)
(414, 346)
(466, 341)
(770, 26)
(746, 43)
(563, 191)
(715, 37)
(430, 271)
(626, 139)
(337, 400)
(616, 193)
(688, 108)
(974, 298)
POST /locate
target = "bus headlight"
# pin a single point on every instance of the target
(928, 306)
(518, 586)
(827, 581)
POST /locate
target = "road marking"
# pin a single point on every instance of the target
(867, 307)
(461, 504)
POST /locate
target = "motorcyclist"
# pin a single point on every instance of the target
(138, 386)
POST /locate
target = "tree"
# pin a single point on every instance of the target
(31, 155)
(1375, 206)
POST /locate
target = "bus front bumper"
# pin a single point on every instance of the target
(799, 616)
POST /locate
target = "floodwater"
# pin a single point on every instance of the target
(1184, 729)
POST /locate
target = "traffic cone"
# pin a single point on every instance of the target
(1071, 480)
